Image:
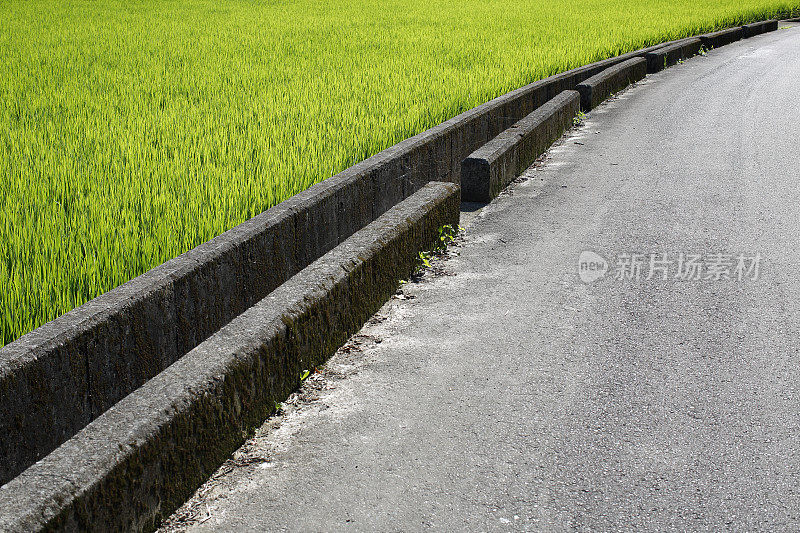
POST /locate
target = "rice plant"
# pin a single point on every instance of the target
(132, 131)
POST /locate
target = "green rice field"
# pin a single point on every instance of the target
(132, 131)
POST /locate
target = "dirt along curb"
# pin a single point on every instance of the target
(143, 457)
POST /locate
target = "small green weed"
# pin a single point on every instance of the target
(447, 234)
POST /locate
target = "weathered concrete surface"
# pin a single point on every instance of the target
(602, 85)
(143, 457)
(60, 377)
(667, 56)
(509, 395)
(722, 37)
(491, 167)
(757, 28)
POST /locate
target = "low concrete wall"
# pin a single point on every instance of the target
(142, 458)
(667, 56)
(60, 377)
(601, 86)
(757, 28)
(63, 375)
(493, 166)
(721, 38)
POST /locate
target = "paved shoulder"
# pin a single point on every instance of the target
(508, 393)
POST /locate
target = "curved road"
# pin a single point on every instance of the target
(508, 394)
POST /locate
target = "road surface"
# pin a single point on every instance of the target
(506, 393)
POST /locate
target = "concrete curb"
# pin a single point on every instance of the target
(665, 57)
(721, 38)
(63, 375)
(614, 79)
(60, 377)
(143, 457)
(757, 28)
(500, 161)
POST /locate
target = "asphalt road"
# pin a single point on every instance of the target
(505, 393)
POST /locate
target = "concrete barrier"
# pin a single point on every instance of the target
(143, 457)
(600, 86)
(721, 38)
(63, 375)
(493, 166)
(667, 56)
(757, 28)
